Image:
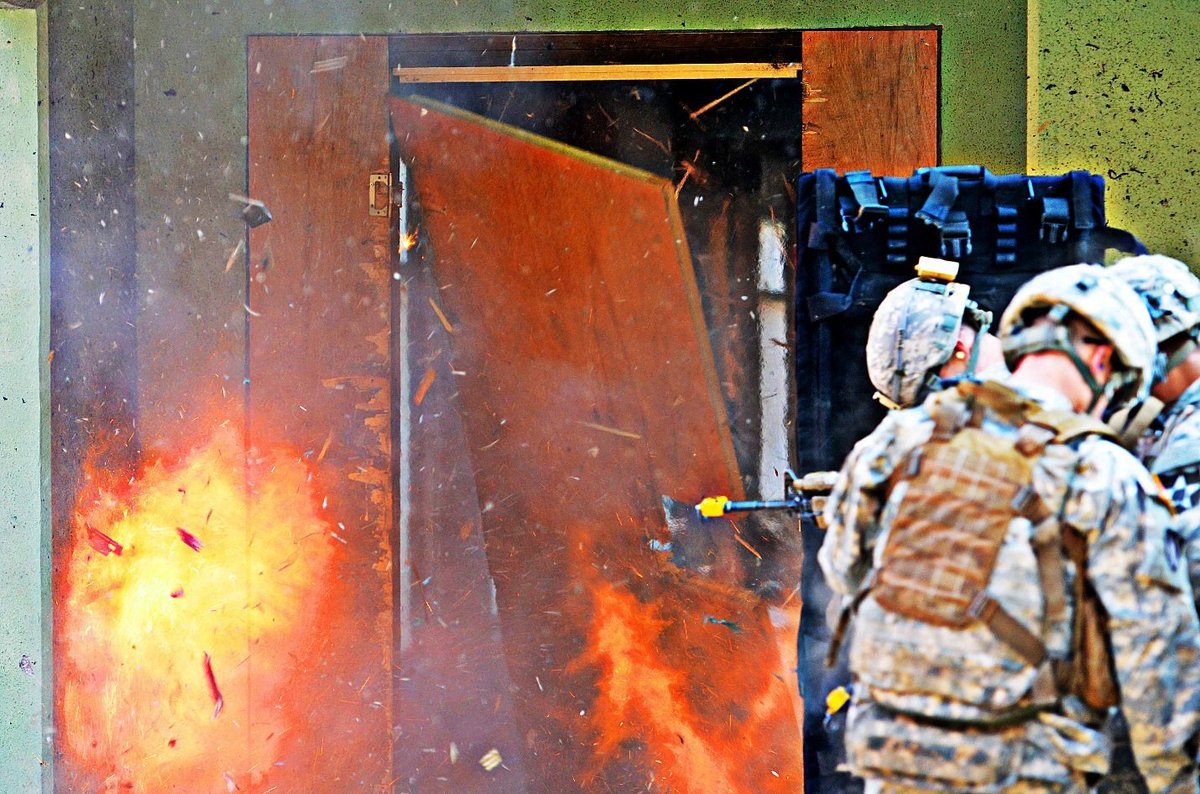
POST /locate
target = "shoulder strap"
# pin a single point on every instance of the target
(1069, 426)
(1130, 423)
(1003, 400)
(1089, 672)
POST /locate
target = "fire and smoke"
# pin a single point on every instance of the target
(685, 701)
(642, 697)
(187, 600)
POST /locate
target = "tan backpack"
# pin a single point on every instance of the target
(961, 491)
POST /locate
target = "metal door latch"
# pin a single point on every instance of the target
(379, 195)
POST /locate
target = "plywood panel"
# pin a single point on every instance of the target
(319, 371)
(588, 391)
(871, 100)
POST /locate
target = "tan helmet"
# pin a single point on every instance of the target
(1171, 293)
(914, 331)
(1099, 296)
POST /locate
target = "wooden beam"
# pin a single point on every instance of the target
(613, 71)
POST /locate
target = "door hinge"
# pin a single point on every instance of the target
(379, 195)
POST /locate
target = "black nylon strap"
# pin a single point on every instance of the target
(943, 192)
(825, 303)
(1081, 200)
(866, 194)
(827, 204)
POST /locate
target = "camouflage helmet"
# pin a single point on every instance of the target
(1102, 298)
(914, 331)
(1171, 293)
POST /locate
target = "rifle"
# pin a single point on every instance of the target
(803, 495)
(691, 526)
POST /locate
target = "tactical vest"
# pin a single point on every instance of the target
(933, 640)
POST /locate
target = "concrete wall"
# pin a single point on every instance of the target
(24, 430)
(1115, 89)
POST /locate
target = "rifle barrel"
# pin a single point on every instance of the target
(768, 504)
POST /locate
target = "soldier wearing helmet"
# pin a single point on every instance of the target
(925, 331)
(979, 539)
(1170, 446)
(1083, 314)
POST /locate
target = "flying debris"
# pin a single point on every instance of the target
(254, 212)
(491, 759)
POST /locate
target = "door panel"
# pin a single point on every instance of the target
(587, 390)
(319, 373)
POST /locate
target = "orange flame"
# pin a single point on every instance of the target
(187, 599)
(655, 693)
(640, 695)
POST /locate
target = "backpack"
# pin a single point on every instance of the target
(934, 643)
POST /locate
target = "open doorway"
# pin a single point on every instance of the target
(726, 150)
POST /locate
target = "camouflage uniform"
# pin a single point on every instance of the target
(923, 693)
(1156, 648)
(1170, 447)
(1171, 450)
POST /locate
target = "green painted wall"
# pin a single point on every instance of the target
(24, 486)
(190, 100)
(1115, 89)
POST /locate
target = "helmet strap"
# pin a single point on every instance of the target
(1055, 337)
(1182, 352)
(1098, 390)
(983, 321)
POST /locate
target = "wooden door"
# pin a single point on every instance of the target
(527, 391)
(871, 100)
(587, 391)
(318, 379)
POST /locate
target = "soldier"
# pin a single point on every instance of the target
(925, 331)
(1006, 558)
(1170, 446)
